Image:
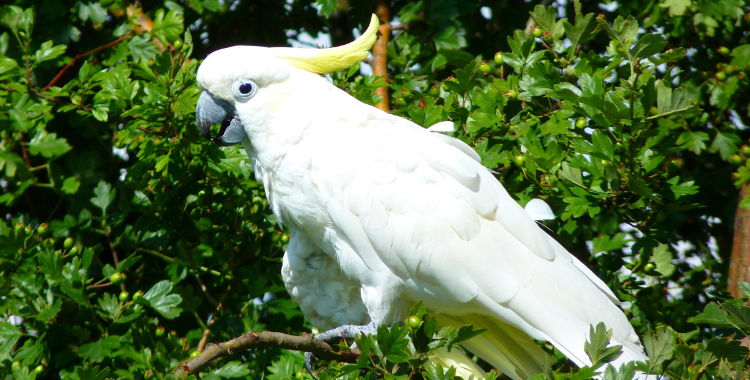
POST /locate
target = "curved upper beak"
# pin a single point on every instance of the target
(210, 111)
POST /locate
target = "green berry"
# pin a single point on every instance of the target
(745, 150)
(185, 47)
(43, 228)
(569, 71)
(160, 331)
(653, 111)
(511, 94)
(117, 278)
(16, 364)
(537, 31)
(74, 251)
(723, 50)
(124, 296)
(285, 239)
(137, 295)
(581, 123)
(68, 242)
(499, 58)
(735, 159)
(413, 321)
(672, 165)
(400, 102)
(151, 63)
(731, 69)
(484, 67)
(39, 369)
(720, 75)
(19, 227)
(177, 44)
(194, 354)
(548, 37)
(649, 267)
(520, 159)
(28, 230)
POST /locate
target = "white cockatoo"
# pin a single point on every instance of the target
(383, 213)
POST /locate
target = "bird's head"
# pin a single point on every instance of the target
(235, 78)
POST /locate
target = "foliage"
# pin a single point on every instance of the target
(127, 237)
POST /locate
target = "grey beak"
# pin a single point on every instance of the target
(210, 111)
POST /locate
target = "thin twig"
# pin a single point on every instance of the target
(23, 149)
(207, 331)
(197, 276)
(79, 56)
(265, 339)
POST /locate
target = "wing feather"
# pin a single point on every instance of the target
(425, 220)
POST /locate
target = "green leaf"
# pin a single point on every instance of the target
(673, 103)
(604, 243)
(572, 174)
(159, 299)
(104, 195)
(92, 373)
(48, 145)
(48, 52)
(162, 162)
(597, 346)
(648, 45)
(233, 369)
(392, 343)
(659, 345)
(676, 7)
(582, 31)
(9, 335)
(602, 143)
(622, 30)
(70, 185)
(741, 56)
(99, 350)
(725, 144)
(662, 258)
(713, 315)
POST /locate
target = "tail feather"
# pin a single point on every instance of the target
(503, 346)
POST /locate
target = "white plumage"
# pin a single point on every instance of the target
(384, 213)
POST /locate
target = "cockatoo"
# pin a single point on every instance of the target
(383, 213)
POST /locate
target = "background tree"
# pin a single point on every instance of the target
(128, 241)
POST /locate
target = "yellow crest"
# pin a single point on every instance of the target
(322, 61)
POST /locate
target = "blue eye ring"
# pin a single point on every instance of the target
(244, 89)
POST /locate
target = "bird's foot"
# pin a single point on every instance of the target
(336, 334)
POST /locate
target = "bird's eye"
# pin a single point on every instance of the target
(244, 89)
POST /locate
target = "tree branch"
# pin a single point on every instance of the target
(380, 52)
(266, 339)
(79, 56)
(739, 264)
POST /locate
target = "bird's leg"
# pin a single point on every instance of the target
(336, 334)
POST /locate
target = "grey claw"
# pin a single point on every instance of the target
(309, 360)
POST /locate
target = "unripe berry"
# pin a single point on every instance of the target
(68, 242)
(537, 31)
(499, 58)
(413, 322)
